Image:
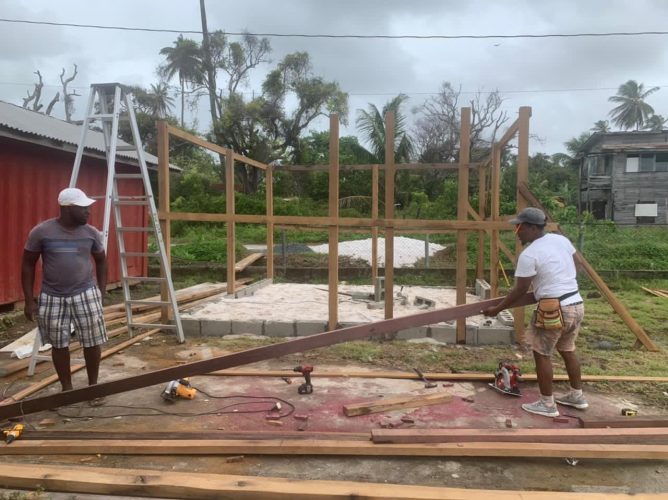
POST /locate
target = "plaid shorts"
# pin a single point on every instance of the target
(546, 341)
(57, 315)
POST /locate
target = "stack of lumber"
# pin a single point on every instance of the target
(657, 292)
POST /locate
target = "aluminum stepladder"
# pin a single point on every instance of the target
(109, 103)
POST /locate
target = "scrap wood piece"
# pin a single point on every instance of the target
(396, 403)
(334, 448)
(193, 435)
(658, 293)
(614, 436)
(247, 261)
(624, 422)
(154, 483)
(14, 409)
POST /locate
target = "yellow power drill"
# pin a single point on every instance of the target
(13, 433)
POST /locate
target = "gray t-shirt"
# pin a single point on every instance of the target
(66, 256)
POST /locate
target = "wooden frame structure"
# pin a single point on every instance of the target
(486, 221)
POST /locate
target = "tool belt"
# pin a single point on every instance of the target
(548, 313)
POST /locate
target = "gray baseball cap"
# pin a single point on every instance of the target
(530, 215)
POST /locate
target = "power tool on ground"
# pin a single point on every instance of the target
(13, 433)
(305, 370)
(180, 388)
(507, 379)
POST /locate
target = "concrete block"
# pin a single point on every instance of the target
(471, 334)
(280, 329)
(251, 289)
(215, 328)
(495, 334)
(443, 333)
(419, 332)
(255, 327)
(191, 327)
(506, 318)
(379, 289)
(305, 328)
(483, 289)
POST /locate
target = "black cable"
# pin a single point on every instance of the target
(349, 36)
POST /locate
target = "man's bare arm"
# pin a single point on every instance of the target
(28, 282)
(101, 270)
(520, 288)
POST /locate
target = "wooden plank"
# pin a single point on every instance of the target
(163, 206)
(8, 409)
(333, 230)
(396, 403)
(194, 485)
(249, 161)
(269, 193)
(230, 229)
(333, 448)
(193, 435)
(417, 167)
(624, 422)
(509, 134)
(502, 246)
(374, 230)
(494, 215)
(462, 215)
(656, 435)
(182, 134)
(390, 173)
(247, 261)
(619, 308)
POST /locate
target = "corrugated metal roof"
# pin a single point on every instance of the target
(40, 125)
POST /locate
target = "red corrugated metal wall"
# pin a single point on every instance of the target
(31, 176)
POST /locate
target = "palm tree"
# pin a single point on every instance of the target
(372, 125)
(655, 123)
(184, 60)
(601, 126)
(632, 110)
(161, 102)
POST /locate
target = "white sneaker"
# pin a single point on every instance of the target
(569, 399)
(540, 408)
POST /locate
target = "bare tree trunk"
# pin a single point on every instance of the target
(53, 102)
(36, 95)
(68, 98)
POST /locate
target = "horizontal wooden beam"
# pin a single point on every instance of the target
(334, 448)
(250, 162)
(655, 435)
(409, 224)
(9, 409)
(198, 141)
(184, 484)
(398, 166)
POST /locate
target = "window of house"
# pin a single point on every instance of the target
(646, 212)
(632, 163)
(661, 164)
(647, 162)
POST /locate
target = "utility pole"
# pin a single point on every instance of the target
(210, 72)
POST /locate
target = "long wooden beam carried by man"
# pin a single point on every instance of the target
(9, 408)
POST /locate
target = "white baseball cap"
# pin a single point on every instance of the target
(73, 196)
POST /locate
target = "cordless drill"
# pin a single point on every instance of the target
(13, 433)
(305, 370)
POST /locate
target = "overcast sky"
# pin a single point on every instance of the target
(567, 81)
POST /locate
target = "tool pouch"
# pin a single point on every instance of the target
(548, 315)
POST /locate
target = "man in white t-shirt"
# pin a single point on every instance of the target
(548, 264)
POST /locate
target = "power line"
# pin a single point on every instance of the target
(349, 36)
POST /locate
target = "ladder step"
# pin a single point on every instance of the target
(127, 203)
(128, 176)
(153, 325)
(143, 278)
(148, 302)
(124, 229)
(140, 254)
(126, 148)
(101, 116)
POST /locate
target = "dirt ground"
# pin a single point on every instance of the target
(487, 409)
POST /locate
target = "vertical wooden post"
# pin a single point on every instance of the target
(374, 229)
(333, 260)
(482, 210)
(229, 206)
(389, 215)
(163, 212)
(522, 179)
(269, 190)
(494, 215)
(462, 214)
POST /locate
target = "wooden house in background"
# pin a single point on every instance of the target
(624, 177)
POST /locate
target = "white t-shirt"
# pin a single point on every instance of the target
(549, 260)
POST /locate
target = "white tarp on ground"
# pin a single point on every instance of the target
(407, 251)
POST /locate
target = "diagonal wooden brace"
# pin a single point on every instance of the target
(9, 409)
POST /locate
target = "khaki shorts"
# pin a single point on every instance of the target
(546, 341)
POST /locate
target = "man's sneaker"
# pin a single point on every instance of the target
(570, 399)
(540, 408)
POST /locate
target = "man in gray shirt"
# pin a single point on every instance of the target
(69, 295)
